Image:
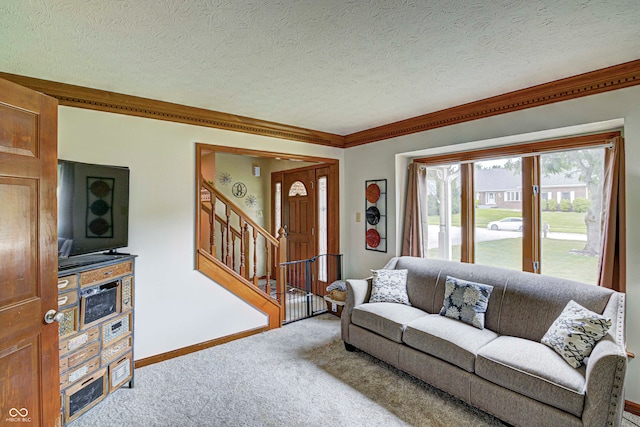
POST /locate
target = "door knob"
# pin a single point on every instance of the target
(53, 316)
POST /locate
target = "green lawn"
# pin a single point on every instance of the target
(563, 222)
(557, 260)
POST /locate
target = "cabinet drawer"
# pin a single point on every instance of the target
(69, 298)
(127, 293)
(78, 340)
(83, 354)
(93, 277)
(68, 378)
(83, 395)
(67, 283)
(121, 347)
(69, 323)
(120, 371)
(115, 329)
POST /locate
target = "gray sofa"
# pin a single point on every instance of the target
(502, 369)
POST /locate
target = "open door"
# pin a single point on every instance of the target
(29, 372)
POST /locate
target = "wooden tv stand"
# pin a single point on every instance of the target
(96, 298)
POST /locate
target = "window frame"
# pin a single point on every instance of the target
(530, 198)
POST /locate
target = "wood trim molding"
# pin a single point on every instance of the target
(112, 102)
(603, 80)
(632, 407)
(197, 347)
(591, 83)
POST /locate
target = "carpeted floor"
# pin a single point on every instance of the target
(298, 375)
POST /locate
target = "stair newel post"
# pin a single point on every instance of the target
(255, 257)
(243, 247)
(282, 274)
(228, 257)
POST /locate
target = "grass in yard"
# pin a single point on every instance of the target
(557, 259)
(560, 222)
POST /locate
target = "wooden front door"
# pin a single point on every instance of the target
(299, 214)
(29, 371)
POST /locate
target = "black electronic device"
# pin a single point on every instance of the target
(93, 208)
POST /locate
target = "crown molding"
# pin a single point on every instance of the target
(112, 102)
(591, 83)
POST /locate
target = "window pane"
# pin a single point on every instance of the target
(278, 209)
(322, 228)
(572, 181)
(498, 213)
(443, 207)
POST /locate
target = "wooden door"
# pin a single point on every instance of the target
(29, 372)
(299, 221)
(299, 214)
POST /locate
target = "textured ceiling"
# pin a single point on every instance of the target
(337, 66)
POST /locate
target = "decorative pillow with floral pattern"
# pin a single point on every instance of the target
(466, 301)
(389, 286)
(575, 332)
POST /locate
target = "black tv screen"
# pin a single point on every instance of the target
(93, 208)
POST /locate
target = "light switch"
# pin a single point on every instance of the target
(358, 218)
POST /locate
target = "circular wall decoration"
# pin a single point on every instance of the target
(239, 189)
(225, 178)
(373, 215)
(373, 238)
(100, 188)
(251, 200)
(373, 193)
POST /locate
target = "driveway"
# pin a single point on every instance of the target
(483, 235)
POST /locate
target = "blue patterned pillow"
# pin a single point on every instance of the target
(389, 286)
(575, 332)
(466, 301)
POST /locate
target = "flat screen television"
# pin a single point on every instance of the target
(93, 208)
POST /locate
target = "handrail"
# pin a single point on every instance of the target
(238, 210)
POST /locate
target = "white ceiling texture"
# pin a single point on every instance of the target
(338, 66)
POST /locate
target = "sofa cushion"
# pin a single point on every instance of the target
(534, 370)
(575, 332)
(447, 339)
(465, 301)
(385, 318)
(389, 286)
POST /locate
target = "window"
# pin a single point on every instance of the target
(322, 228)
(297, 189)
(511, 196)
(443, 207)
(278, 209)
(503, 220)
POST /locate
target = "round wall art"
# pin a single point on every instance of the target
(373, 193)
(373, 215)
(239, 189)
(373, 238)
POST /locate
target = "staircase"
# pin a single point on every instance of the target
(239, 254)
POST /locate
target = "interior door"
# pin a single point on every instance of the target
(29, 372)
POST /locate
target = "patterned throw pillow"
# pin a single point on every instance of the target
(389, 286)
(575, 332)
(466, 301)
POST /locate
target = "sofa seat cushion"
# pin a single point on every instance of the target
(534, 370)
(447, 339)
(385, 318)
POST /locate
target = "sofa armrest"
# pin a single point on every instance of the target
(358, 292)
(606, 369)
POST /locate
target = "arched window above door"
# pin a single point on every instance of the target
(297, 189)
